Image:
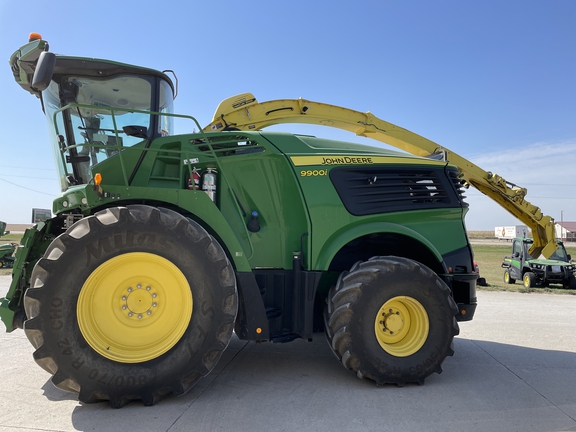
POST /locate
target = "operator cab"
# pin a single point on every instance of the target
(97, 108)
(521, 246)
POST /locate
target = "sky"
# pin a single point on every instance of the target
(490, 80)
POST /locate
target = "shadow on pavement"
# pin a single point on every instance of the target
(301, 386)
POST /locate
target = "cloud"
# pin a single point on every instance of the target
(546, 170)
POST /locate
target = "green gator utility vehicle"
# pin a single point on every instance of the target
(163, 244)
(558, 269)
(7, 249)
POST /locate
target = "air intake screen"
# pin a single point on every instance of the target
(373, 190)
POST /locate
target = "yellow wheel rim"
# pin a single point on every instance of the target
(134, 307)
(401, 326)
(506, 277)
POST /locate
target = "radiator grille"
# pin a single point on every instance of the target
(370, 190)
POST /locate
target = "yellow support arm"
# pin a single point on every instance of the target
(244, 112)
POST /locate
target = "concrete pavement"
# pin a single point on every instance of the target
(514, 370)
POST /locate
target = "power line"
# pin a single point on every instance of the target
(24, 187)
(27, 168)
(30, 177)
(479, 194)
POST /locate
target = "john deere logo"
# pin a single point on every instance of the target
(346, 160)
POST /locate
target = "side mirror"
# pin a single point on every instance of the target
(569, 257)
(136, 131)
(44, 70)
(515, 254)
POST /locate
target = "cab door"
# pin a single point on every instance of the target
(517, 259)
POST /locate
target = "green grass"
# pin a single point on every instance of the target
(489, 259)
(11, 238)
(481, 234)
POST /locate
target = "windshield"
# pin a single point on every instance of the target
(101, 120)
(560, 254)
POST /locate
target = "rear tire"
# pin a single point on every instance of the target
(391, 320)
(508, 278)
(529, 280)
(132, 303)
(571, 284)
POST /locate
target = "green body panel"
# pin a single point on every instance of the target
(294, 210)
(266, 184)
(333, 226)
(194, 204)
(262, 182)
(33, 244)
(423, 232)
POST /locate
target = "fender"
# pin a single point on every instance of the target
(343, 237)
(195, 203)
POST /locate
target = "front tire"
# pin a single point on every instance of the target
(570, 283)
(529, 280)
(391, 320)
(132, 303)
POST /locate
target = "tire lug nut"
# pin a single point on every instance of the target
(130, 314)
(139, 316)
(138, 286)
(148, 288)
(129, 289)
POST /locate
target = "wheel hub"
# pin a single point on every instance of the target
(393, 322)
(401, 326)
(139, 302)
(134, 307)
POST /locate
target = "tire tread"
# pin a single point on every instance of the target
(37, 296)
(339, 314)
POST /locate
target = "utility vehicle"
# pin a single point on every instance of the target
(557, 269)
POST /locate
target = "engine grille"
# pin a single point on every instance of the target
(371, 190)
